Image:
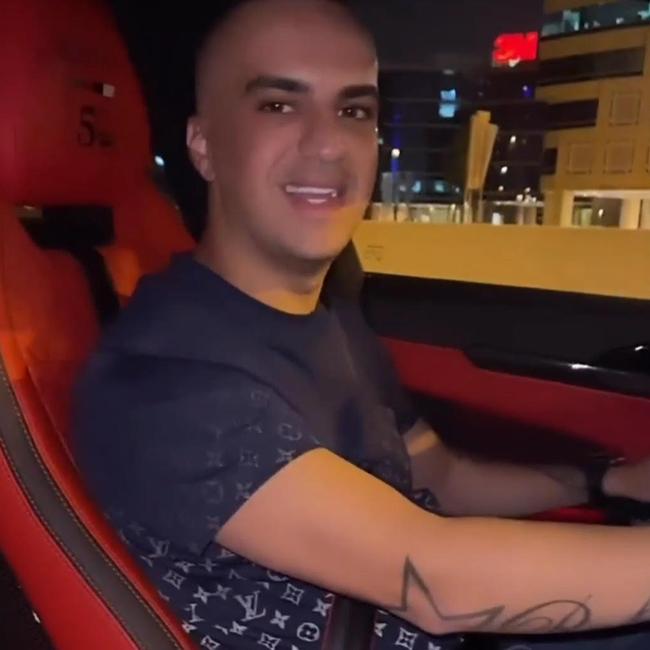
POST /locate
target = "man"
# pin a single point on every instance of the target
(246, 439)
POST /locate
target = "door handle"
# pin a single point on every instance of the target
(633, 359)
(622, 374)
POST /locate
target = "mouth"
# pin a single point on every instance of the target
(315, 196)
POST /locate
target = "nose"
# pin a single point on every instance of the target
(323, 138)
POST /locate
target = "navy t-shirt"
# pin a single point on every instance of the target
(196, 397)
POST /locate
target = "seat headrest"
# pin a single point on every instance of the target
(73, 121)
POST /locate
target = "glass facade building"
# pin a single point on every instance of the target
(425, 118)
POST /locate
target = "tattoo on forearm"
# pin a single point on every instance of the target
(642, 616)
(412, 582)
(558, 616)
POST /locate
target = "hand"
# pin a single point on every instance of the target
(629, 481)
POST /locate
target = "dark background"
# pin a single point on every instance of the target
(414, 31)
(407, 31)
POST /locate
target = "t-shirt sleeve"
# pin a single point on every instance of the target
(193, 460)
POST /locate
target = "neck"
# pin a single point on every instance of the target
(238, 262)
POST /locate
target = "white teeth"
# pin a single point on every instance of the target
(303, 190)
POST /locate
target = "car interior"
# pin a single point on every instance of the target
(82, 220)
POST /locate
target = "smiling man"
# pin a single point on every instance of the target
(286, 135)
(252, 444)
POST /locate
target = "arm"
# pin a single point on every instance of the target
(467, 487)
(444, 575)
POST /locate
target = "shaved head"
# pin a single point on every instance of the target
(240, 16)
(285, 134)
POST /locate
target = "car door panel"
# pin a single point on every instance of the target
(517, 372)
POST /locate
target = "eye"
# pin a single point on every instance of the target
(276, 107)
(361, 113)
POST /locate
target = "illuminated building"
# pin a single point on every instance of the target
(510, 50)
(424, 117)
(594, 73)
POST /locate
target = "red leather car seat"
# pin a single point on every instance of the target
(73, 132)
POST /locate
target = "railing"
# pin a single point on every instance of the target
(524, 210)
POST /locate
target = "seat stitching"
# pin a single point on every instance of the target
(74, 518)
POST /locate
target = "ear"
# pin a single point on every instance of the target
(197, 147)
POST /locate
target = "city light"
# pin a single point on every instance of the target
(513, 139)
(395, 154)
(501, 188)
(448, 104)
(511, 49)
(160, 161)
(504, 170)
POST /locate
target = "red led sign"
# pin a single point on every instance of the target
(512, 49)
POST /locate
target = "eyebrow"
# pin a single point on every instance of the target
(289, 85)
(356, 92)
(277, 83)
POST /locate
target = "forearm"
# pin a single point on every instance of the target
(467, 487)
(526, 578)
(475, 488)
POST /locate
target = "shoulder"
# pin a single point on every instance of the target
(133, 383)
(152, 412)
(165, 308)
(152, 403)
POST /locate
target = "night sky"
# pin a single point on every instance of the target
(408, 31)
(414, 31)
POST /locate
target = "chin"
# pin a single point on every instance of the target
(316, 260)
(323, 254)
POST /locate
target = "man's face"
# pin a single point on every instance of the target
(290, 129)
